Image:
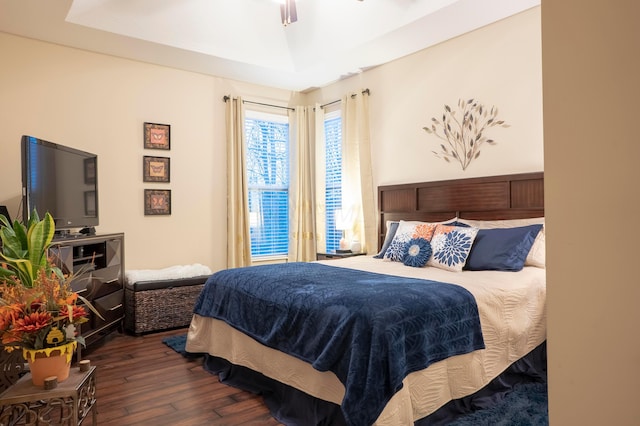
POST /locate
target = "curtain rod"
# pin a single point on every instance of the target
(225, 98)
(338, 100)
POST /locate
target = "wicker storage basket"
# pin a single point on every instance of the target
(161, 304)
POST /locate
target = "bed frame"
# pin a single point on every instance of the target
(515, 196)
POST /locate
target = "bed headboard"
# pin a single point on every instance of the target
(515, 196)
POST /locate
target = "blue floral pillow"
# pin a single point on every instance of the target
(417, 252)
(405, 232)
(451, 246)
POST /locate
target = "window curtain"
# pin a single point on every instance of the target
(302, 240)
(357, 177)
(320, 164)
(238, 230)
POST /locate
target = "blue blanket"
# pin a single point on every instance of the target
(370, 329)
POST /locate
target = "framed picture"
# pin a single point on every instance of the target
(90, 171)
(157, 136)
(155, 169)
(157, 202)
(90, 203)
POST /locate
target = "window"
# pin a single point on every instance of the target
(333, 177)
(267, 138)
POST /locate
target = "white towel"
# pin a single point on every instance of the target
(172, 272)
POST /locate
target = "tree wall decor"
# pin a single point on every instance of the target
(463, 131)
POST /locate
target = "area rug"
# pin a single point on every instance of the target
(525, 405)
(177, 343)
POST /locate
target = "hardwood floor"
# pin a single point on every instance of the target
(141, 381)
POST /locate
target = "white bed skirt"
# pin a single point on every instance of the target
(423, 392)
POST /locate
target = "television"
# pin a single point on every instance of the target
(62, 181)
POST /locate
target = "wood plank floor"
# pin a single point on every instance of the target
(141, 381)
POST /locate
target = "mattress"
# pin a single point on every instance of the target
(513, 318)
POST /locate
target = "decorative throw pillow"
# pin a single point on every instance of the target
(502, 249)
(406, 231)
(392, 227)
(451, 246)
(417, 252)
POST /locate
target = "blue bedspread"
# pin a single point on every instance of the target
(370, 329)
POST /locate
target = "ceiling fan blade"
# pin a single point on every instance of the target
(288, 12)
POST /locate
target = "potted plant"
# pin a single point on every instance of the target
(39, 312)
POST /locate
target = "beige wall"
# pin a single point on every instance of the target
(499, 65)
(98, 103)
(591, 69)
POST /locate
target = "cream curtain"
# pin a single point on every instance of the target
(238, 231)
(321, 171)
(302, 240)
(357, 177)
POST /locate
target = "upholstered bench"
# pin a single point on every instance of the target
(154, 303)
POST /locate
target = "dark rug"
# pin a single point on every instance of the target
(177, 343)
(525, 405)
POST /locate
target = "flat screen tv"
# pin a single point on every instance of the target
(62, 181)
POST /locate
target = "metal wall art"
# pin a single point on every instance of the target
(464, 131)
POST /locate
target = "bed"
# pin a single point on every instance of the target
(301, 374)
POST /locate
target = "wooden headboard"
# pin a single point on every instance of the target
(515, 196)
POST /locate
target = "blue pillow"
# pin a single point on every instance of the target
(417, 252)
(501, 249)
(391, 232)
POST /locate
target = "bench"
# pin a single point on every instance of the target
(156, 304)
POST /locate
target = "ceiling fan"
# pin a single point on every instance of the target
(288, 11)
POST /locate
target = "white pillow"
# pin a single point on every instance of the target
(506, 223)
(536, 256)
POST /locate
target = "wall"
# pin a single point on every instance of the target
(498, 65)
(591, 90)
(98, 103)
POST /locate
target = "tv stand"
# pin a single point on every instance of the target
(97, 263)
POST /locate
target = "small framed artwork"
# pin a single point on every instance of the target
(155, 169)
(157, 136)
(90, 170)
(90, 203)
(157, 202)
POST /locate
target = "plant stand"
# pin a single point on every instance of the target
(68, 403)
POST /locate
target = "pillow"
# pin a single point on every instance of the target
(406, 231)
(537, 253)
(392, 227)
(501, 249)
(451, 246)
(417, 252)
(505, 223)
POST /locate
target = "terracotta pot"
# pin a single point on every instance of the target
(50, 362)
